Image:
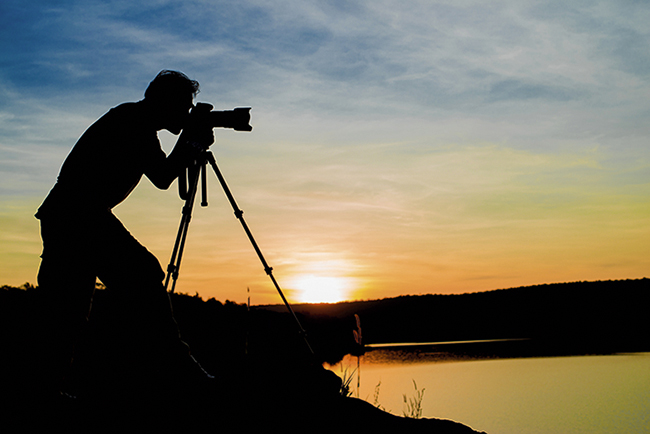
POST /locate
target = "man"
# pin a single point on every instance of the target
(83, 240)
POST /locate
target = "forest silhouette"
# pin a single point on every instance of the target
(600, 317)
(265, 369)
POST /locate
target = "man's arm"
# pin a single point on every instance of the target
(190, 143)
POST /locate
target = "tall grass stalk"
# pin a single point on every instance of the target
(413, 406)
(346, 380)
(375, 398)
(358, 338)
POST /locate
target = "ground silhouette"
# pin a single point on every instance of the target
(265, 379)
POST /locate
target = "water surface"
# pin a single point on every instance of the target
(555, 395)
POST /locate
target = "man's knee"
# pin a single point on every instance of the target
(148, 273)
(65, 285)
(134, 268)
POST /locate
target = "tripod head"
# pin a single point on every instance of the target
(188, 178)
(202, 116)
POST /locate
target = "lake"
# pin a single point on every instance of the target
(552, 395)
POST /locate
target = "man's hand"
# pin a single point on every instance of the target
(200, 138)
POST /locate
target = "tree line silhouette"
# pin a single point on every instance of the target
(598, 317)
(566, 318)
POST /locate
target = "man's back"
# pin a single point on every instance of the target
(106, 163)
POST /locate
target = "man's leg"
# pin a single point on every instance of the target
(62, 304)
(150, 339)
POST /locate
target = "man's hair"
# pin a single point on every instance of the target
(171, 85)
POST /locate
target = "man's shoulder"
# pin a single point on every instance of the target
(128, 117)
(125, 109)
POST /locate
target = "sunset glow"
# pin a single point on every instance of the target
(321, 289)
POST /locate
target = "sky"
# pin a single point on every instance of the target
(399, 146)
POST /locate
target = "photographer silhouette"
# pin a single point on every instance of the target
(83, 240)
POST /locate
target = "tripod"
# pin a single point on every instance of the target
(188, 186)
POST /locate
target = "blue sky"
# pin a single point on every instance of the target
(398, 146)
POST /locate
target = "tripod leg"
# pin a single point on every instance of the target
(177, 254)
(240, 216)
(204, 185)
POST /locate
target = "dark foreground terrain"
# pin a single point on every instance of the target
(265, 378)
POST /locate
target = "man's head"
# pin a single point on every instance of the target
(171, 94)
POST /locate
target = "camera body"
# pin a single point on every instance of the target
(238, 119)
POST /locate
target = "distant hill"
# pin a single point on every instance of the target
(577, 317)
(565, 318)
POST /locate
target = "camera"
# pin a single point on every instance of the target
(237, 119)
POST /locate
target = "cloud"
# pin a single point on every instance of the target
(429, 55)
(520, 90)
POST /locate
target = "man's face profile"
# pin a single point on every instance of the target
(176, 114)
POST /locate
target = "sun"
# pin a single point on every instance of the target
(321, 289)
